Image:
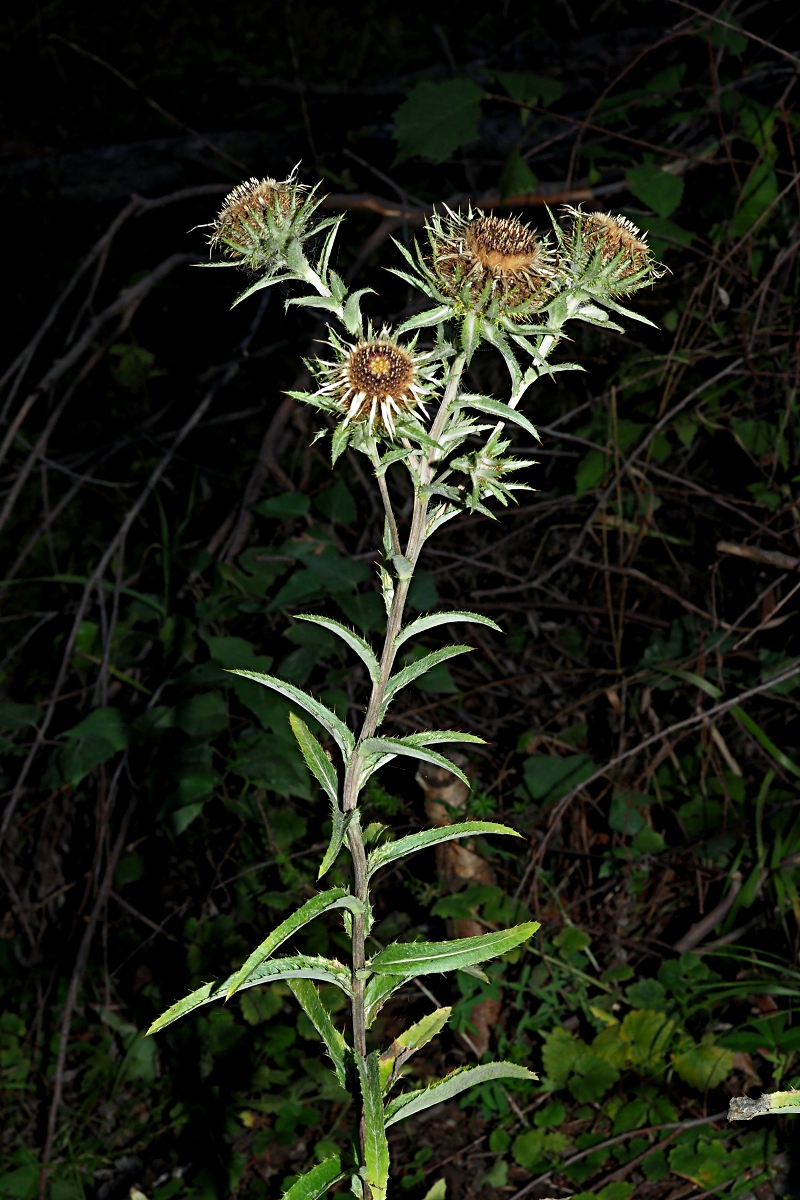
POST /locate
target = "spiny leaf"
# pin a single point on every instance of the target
(336, 728)
(442, 618)
(354, 641)
(307, 995)
(421, 667)
(392, 746)
(317, 760)
(391, 851)
(497, 409)
(458, 1081)
(376, 1148)
(340, 823)
(335, 898)
(377, 992)
(317, 1181)
(300, 966)
(424, 958)
(408, 1042)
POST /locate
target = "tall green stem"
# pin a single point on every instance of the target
(352, 782)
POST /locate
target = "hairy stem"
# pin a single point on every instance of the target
(372, 719)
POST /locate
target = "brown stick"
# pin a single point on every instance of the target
(770, 558)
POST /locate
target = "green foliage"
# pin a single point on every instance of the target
(437, 118)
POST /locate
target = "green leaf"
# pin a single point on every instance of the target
(336, 728)
(408, 1042)
(392, 851)
(337, 503)
(307, 995)
(759, 191)
(404, 746)
(93, 741)
(530, 88)
(415, 669)
(548, 777)
(335, 898)
(517, 179)
(705, 1065)
(496, 408)
(590, 473)
(432, 620)
(377, 992)
(17, 716)
(655, 188)
(317, 760)
(436, 118)
(376, 1148)
(560, 1052)
(286, 507)
(424, 958)
(458, 1081)
(341, 822)
(202, 716)
(354, 641)
(761, 737)
(317, 1181)
(299, 966)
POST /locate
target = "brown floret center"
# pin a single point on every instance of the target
(502, 244)
(377, 369)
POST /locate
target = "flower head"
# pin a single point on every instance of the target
(259, 218)
(376, 384)
(599, 243)
(479, 259)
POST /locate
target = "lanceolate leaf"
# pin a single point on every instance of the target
(497, 409)
(442, 618)
(340, 822)
(459, 1081)
(307, 994)
(407, 1043)
(391, 851)
(317, 760)
(377, 992)
(376, 1148)
(300, 966)
(354, 641)
(421, 667)
(424, 958)
(329, 720)
(335, 898)
(402, 746)
(317, 1181)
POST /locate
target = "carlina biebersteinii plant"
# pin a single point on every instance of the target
(481, 279)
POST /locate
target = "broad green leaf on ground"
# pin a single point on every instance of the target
(705, 1065)
(655, 188)
(437, 118)
(307, 995)
(317, 1181)
(17, 716)
(432, 620)
(408, 1042)
(422, 958)
(336, 728)
(648, 1035)
(96, 739)
(353, 640)
(300, 966)
(549, 777)
(458, 1081)
(316, 759)
(759, 191)
(376, 1148)
(324, 902)
(530, 88)
(392, 851)
(389, 747)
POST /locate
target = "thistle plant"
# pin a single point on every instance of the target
(398, 397)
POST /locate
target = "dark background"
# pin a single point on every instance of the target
(163, 516)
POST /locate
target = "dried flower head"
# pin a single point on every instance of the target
(478, 258)
(618, 241)
(256, 220)
(376, 383)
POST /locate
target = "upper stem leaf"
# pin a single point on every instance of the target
(328, 719)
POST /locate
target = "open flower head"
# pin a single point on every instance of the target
(376, 385)
(259, 218)
(611, 248)
(484, 262)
